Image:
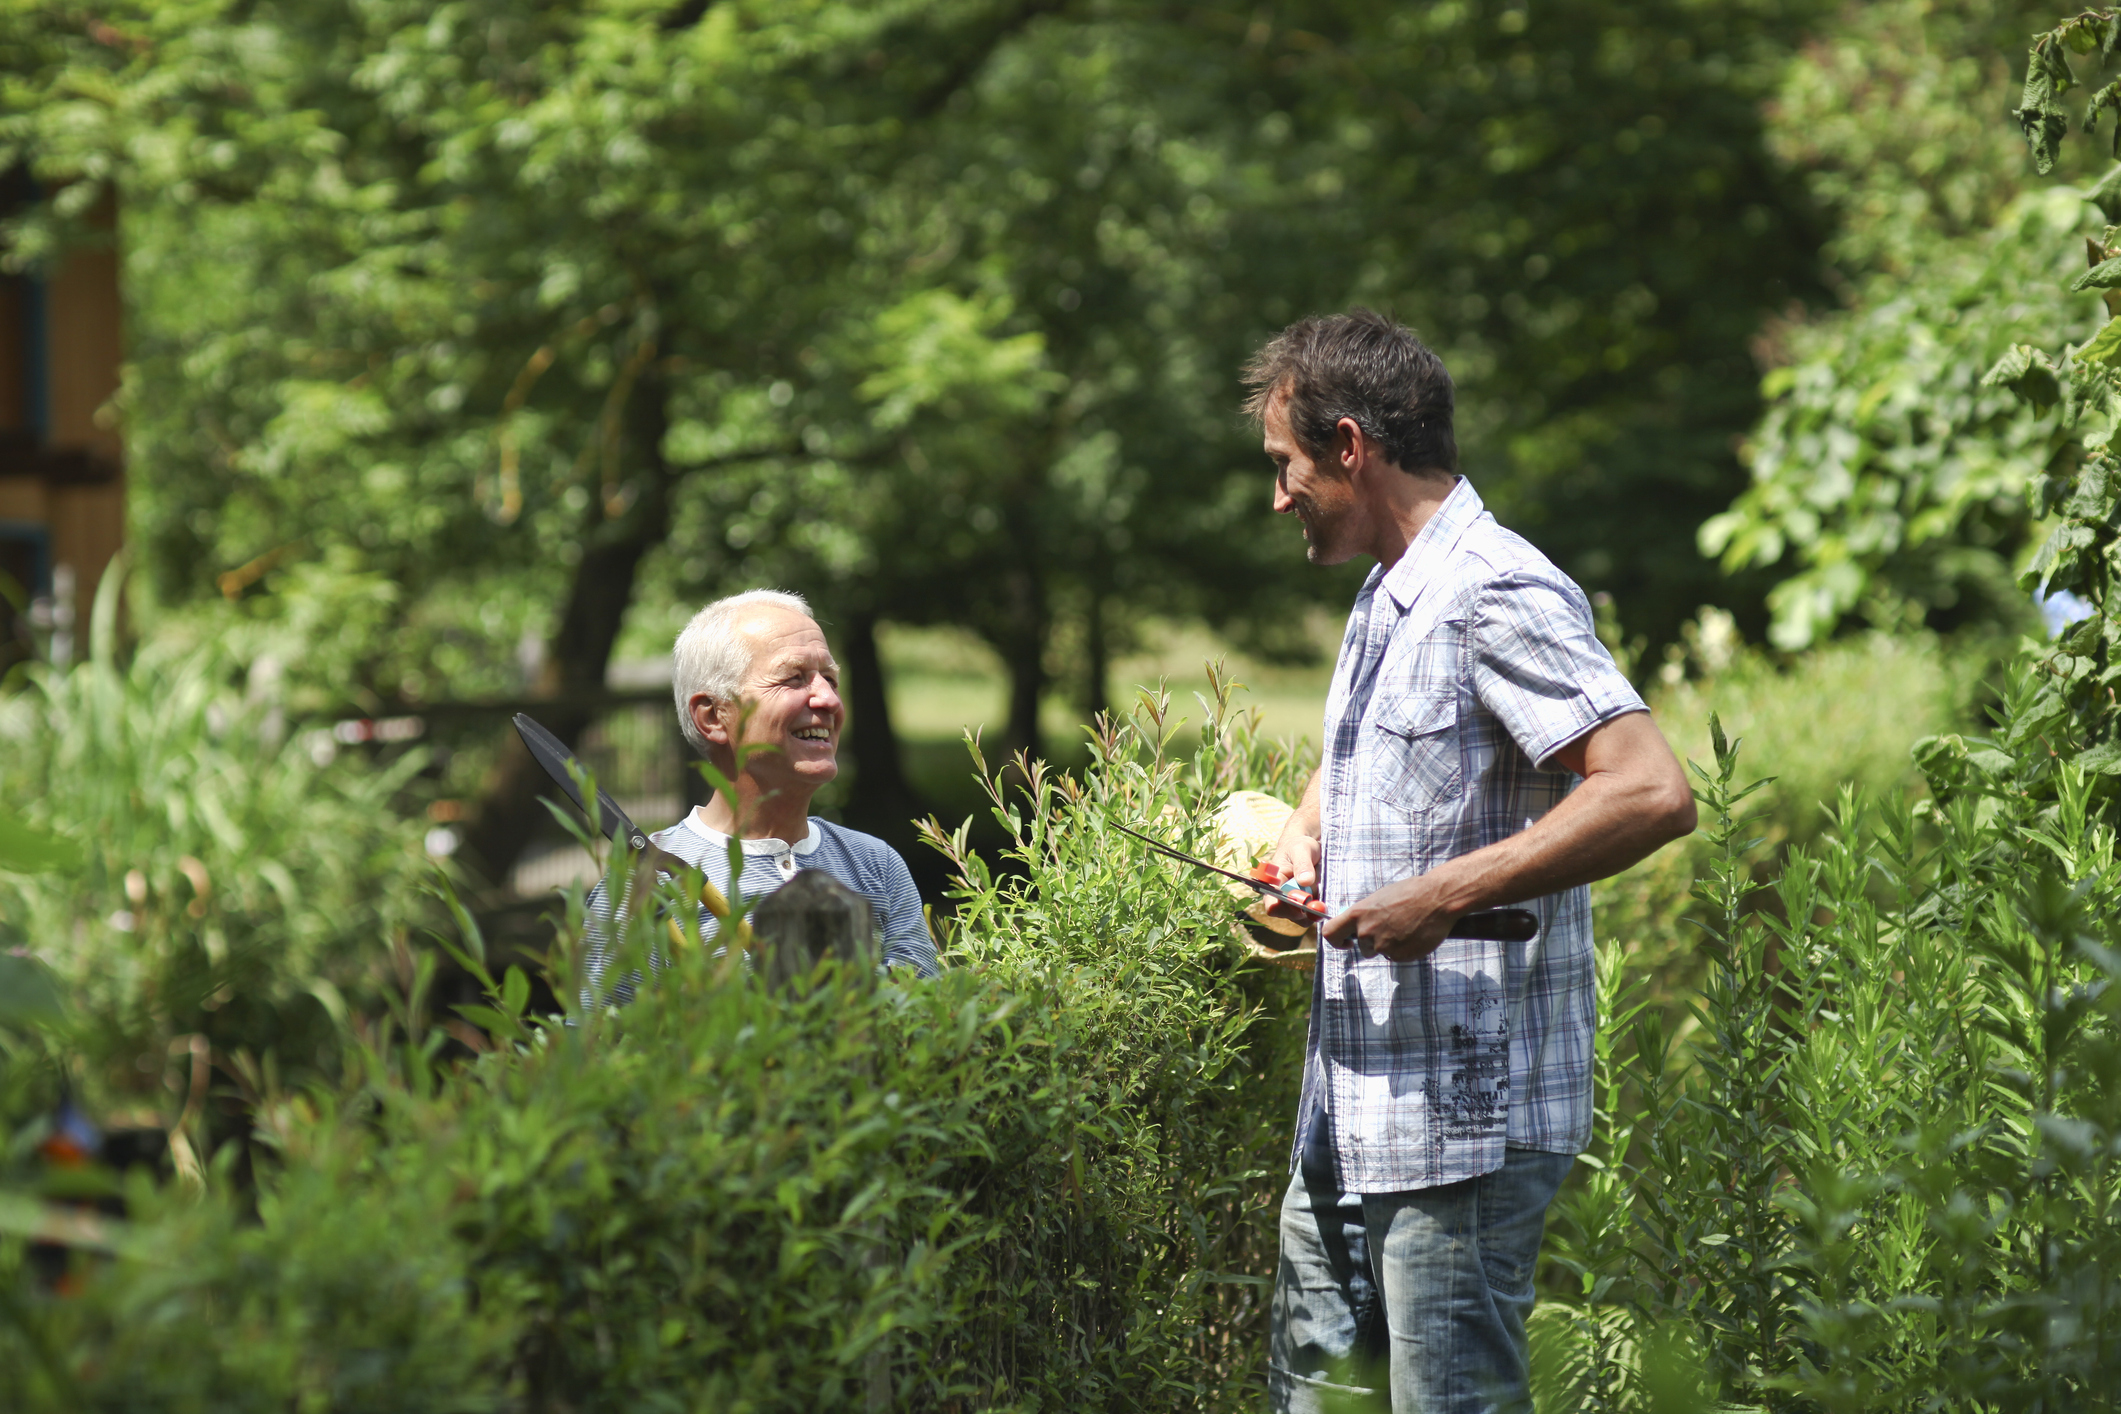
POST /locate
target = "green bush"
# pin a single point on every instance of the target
(231, 889)
(1880, 1170)
(1846, 713)
(1043, 1180)
(337, 1294)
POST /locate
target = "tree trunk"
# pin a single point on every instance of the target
(883, 801)
(1097, 649)
(577, 658)
(1022, 644)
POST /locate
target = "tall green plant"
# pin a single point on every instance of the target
(1877, 1172)
(1041, 1180)
(236, 897)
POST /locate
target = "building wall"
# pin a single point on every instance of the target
(61, 453)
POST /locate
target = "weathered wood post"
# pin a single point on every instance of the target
(807, 919)
(811, 917)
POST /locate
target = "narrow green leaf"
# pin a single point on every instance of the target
(29, 994)
(24, 849)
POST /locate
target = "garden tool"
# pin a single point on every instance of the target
(1503, 925)
(559, 763)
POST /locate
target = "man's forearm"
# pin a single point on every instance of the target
(1633, 798)
(1310, 811)
(1602, 827)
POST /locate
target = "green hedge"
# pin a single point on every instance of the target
(1041, 1180)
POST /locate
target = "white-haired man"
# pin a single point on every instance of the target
(753, 670)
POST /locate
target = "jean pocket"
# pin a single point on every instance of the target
(1512, 1217)
(1414, 763)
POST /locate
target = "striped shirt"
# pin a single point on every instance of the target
(1463, 669)
(862, 862)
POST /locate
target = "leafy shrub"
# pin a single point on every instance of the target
(1041, 1180)
(336, 1295)
(1844, 713)
(232, 888)
(1880, 1171)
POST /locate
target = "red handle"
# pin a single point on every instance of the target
(1270, 873)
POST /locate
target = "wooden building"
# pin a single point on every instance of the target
(62, 486)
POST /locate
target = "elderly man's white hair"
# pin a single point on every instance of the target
(709, 656)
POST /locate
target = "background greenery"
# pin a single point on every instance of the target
(456, 328)
(473, 346)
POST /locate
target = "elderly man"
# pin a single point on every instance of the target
(1481, 749)
(753, 671)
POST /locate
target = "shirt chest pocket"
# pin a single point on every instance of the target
(1414, 757)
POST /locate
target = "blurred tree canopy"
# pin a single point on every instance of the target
(1888, 477)
(455, 325)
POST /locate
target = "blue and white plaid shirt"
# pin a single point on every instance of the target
(1464, 668)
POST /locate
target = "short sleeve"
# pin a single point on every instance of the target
(906, 939)
(1538, 666)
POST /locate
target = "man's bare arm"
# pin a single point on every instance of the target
(1634, 798)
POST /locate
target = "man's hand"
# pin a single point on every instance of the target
(1296, 855)
(1405, 921)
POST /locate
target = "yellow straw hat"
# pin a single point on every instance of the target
(1246, 829)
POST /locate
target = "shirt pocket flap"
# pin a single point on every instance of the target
(1412, 717)
(1412, 764)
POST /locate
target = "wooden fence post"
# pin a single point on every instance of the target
(810, 917)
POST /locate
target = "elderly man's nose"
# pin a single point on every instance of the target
(1283, 501)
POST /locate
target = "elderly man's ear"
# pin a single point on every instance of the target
(707, 716)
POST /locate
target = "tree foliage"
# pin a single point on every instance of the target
(1888, 476)
(455, 327)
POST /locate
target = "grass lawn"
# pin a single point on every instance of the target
(946, 682)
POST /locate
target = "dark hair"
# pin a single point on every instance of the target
(1363, 367)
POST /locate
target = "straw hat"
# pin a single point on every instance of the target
(1246, 829)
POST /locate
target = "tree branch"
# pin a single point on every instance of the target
(969, 64)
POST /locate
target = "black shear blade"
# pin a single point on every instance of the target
(552, 754)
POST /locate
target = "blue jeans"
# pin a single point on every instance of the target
(1424, 1292)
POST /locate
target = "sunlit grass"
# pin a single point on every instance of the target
(945, 682)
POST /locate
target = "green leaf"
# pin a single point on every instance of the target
(2039, 116)
(515, 991)
(2105, 346)
(1989, 761)
(488, 1019)
(2106, 275)
(2107, 99)
(2030, 374)
(25, 849)
(2105, 759)
(29, 994)
(2107, 195)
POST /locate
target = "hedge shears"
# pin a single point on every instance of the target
(566, 772)
(1502, 925)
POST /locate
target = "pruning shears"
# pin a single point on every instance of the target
(1502, 925)
(559, 763)
(1266, 878)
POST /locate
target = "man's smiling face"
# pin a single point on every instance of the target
(791, 698)
(1316, 490)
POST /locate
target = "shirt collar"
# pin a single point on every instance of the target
(1405, 580)
(717, 840)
